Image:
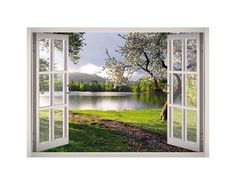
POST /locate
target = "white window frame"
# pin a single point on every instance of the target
(40, 146)
(203, 94)
(195, 146)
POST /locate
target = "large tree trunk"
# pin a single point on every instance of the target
(163, 114)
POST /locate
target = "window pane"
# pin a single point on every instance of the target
(44, 55)
(44, 90)
(58, 123)
(177, 55)
(59, 55)
(44, 126)
(192, 55)
(177, 89)
(191, 126)
(58, 89)
(191, 90)
(177, 123)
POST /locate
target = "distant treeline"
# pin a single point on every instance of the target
(142, 85)
(97, 87)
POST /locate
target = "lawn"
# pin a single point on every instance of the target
(89, 135)
(191, 118)
(147, 119)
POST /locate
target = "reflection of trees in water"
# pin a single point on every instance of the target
(131, 101)
(95, 99)
(151, 98)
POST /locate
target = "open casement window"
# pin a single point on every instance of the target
(184, 91)
(51, 127)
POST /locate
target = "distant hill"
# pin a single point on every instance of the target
(86, 78)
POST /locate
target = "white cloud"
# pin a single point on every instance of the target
(93, 69)
(137, 75)
(102, 74)
(90, 69)
(98, 70)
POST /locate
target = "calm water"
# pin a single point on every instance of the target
(109, 100)
(115, 101)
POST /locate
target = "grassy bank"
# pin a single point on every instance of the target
(88, 133)
(147, 119)
(91, 136)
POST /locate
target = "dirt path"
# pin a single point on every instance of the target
(139, 140)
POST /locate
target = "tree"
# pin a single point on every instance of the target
(135, 88)
(141, 51)
(147, 52)
(146, 84)
(76, 43)
(118, 73)
(109, 86)
(82, 86)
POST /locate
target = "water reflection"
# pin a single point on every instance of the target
(112, 100)
(115, 101)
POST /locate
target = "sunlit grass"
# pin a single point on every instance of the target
(91, 136)
(44, 124)
(146, 119)
(191, 119)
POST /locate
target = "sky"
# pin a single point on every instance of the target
(93, 55)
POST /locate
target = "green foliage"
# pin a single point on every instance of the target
(142, 85)
(43, 83)
(43, 64)
(76, 43)
(135, 88)
(58, 86)
(141, 51)
(96, 87)
(82, 87)
(146, 84)
(109, 86)
(192, 90)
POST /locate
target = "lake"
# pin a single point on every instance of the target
(115, 101)
(110, 100)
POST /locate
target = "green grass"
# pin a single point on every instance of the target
(177, 123)
(147, 119)
(91, 137)
(191, 124)
(44, 124)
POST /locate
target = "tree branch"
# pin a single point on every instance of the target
(163, 64)
(148, 60)
(122, 36)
